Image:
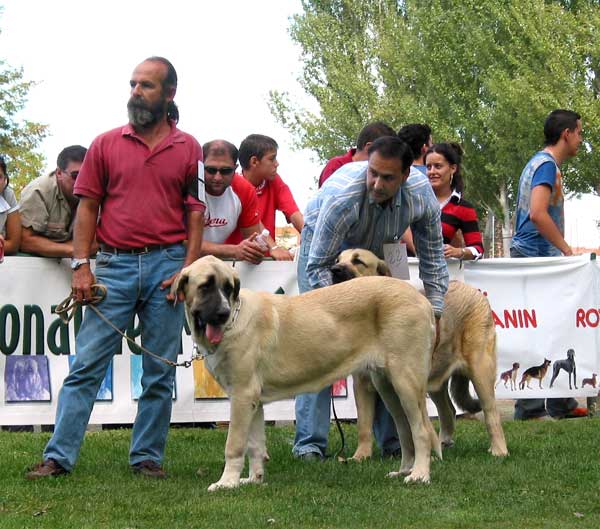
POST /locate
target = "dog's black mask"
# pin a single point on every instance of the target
(341, 273)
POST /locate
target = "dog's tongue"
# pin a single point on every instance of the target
(214, 333)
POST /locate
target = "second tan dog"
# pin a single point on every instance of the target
(466, 351)
(263, 347)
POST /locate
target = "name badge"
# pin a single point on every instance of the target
(396, 258)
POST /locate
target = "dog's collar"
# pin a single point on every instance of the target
(236, 312)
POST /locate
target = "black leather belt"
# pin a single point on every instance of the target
(135, 251)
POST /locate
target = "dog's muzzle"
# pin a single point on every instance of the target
(213, 327)
(341, 273)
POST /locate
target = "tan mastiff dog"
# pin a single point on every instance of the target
(263, 347)
(466, 351)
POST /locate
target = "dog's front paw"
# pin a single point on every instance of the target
(256, 479)
(498, 451)
(394, 474)
(417, 477)
(222, 484)
(361, 454)
(400, 473)
(447, 443)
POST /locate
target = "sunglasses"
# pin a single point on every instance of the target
(225, 171)
(72, 174)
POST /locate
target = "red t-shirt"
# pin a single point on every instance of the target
(143, 194)
(237, 207)
(273, 195)
(334, 164)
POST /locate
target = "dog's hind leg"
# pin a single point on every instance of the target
(447, 414)
(365, 397)
(257, 451)
(482, 375)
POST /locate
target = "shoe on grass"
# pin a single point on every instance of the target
(149, 469)
(46, 469)
(309, 457)
(577, 412)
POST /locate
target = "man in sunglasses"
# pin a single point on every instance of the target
(232, 206)
(48, 207)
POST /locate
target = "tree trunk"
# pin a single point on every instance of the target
(506, 223)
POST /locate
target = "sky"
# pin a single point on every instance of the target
(228, 56)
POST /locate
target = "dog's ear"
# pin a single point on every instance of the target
(179, 285)
(383, 269)
(236, 284)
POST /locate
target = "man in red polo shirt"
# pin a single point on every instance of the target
(366, 137)
(258, 158)
(144, 179)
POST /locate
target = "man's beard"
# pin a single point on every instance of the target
(144, 115)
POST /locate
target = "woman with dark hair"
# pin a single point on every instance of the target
(10, 221)
(442, 161)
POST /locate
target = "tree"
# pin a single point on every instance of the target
(19, 139)
(484, 73)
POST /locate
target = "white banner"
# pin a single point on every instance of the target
(543, 307)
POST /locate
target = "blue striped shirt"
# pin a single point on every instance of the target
(342, 215)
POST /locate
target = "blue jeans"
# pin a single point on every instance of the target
(132, 282)
(313, 411)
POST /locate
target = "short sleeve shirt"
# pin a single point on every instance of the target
(334, 164)
(45, 210)
(144, 194)
(527, 240)
(237, 207)
(273, 195)
(8, 204)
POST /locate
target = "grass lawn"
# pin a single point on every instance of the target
(550, 480)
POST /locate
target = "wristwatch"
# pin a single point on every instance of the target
(76, 263)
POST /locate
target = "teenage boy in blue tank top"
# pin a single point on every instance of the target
(539, 226)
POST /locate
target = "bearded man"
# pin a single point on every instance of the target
(144, 177)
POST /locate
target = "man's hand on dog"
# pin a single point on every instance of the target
(170, 294)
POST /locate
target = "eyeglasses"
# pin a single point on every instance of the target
(225, 171)
(72, 174)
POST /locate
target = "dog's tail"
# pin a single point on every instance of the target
(459, 389)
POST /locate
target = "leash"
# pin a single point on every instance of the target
(339, 454)
(66, 310)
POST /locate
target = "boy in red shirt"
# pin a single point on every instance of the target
(258, 158)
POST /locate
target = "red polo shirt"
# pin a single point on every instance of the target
(143, 194)
(273, 195)
(334, 164)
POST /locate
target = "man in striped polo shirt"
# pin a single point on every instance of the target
(366, 205)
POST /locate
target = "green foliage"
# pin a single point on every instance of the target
(550, 481)
(19, 139)
(484, 73)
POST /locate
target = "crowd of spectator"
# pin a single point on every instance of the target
(147, 194)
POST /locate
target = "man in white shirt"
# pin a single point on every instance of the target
(231, 203)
